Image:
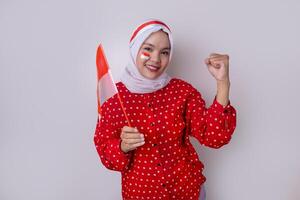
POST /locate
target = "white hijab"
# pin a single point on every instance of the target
(131, 77)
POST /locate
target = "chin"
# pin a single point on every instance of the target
(151, 76)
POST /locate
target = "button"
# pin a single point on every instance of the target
(164, 185)
(154, 145)
(152, 123)
(158, 164)
(225, 111)
(149, 105)
(226, 124)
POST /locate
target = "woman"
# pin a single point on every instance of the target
(154, 155)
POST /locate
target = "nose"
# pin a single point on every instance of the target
(155, 57)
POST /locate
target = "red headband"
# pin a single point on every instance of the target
(146, 24)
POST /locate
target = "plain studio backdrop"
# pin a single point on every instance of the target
(48, 108)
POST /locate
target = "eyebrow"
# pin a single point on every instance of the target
(168, 48)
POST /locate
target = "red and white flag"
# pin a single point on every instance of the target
(106, 87)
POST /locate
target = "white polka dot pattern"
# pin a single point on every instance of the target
(167, 165)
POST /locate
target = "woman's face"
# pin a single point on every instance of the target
(157, 45)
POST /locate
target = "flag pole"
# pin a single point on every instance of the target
(119, 97)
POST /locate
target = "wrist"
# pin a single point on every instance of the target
(223, 88)
(225, 82)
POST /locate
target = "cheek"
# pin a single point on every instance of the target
(165, 61)
(140, 62)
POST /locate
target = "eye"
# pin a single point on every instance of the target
(147, 49)
(165, 53)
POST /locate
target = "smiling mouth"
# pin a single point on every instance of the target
(152, 67)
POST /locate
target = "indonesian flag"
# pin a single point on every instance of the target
(106, 87)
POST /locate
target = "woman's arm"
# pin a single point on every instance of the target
(108, 144)
(223, 92)
(218, 66)
(213, 126)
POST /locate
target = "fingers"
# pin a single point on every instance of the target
(131, 133)
(216, 56)
(134, 146)
(131, 138)
(131, 145)
(129, 129)
(217, 60)
(215, 63)
(133, 141)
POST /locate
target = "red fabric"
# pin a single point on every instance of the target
(167, 165)
(146, 24)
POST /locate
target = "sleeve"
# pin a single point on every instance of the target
(213, 126)
(108, 144)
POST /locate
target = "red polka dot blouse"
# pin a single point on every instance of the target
(167, 165)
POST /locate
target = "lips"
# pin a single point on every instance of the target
(153, 67)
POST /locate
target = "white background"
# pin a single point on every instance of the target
(48, 107)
